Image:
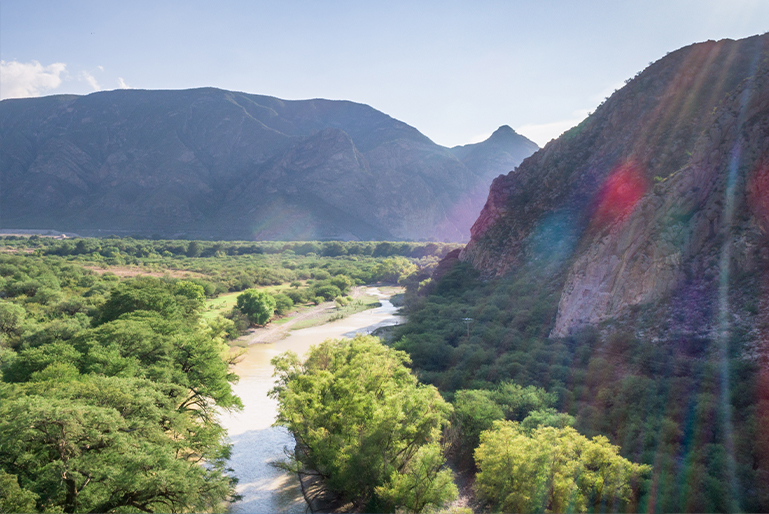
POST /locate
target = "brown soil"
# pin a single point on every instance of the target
(126, 271)
(17, 250)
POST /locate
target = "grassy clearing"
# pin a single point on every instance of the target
(224, 303)
(220, 305)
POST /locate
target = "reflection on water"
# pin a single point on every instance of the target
(256, 443)
(264, 488)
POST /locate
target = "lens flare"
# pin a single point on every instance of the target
(619, 195)
(758, 194)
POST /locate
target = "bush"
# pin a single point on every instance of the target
(283, 303)
(553, 470)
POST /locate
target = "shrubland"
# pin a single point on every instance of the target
(693, 408)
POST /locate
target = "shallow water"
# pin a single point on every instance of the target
(256, 443)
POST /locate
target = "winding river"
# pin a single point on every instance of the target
(256, 443)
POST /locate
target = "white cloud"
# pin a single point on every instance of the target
(542, 133)
(122, 84)
(87, 77)
(24, 79)
(101, 68)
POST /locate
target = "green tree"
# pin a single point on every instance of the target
(547, 418)
(553, 470)
(283, 303)
(146, 293)
(367, 425)
(97, 444)
(190, 290)
(194, 249)
(11, 318)
(474, 412)
(12, 497)
(393, 269)
(257, 305)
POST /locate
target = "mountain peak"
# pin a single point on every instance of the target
(504, 130)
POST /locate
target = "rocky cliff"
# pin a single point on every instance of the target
(219, 164)
(657, 198)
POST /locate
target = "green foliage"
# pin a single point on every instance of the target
(96, 444)
(476, 410)
(257, 305)
(663, 402)
(11, 318)
(393, 269)
(110, 394)
(283, 303)
(547, 418)
(190, 290)
(326, 291)
(12, 497)
(366, 423)
(553, 470)
(423, 482)
(145, 294)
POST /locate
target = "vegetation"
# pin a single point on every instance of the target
(109, 391)
(476, 410)
(110, 384)
(552, 470)
(257, 305)
(663, 403)
(366, 425)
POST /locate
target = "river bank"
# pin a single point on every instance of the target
(256, 443)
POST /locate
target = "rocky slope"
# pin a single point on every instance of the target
(659, 198)
(219, 164)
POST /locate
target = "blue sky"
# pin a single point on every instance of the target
(454, 70)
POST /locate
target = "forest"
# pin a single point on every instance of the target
(113, 374)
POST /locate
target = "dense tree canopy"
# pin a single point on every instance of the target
(366, 424)
(112, 409)
(553, 470)
(259, 306)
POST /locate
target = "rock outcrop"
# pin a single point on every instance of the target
(218, 164)
(664, 186)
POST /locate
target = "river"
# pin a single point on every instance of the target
(256, 443)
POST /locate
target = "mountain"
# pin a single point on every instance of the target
(218, 164)
(503, 150)
(655, 207)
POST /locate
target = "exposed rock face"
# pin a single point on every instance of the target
(665, 185)
(220, 164)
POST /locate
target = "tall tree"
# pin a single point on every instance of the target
(366, 424)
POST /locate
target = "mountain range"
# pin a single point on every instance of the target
(215, 164)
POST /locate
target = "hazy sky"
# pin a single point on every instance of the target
(454, 70)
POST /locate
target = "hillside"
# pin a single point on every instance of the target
(210, 163)
(659, 195)
(623, 268)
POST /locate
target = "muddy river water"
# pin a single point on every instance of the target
(256, 443)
